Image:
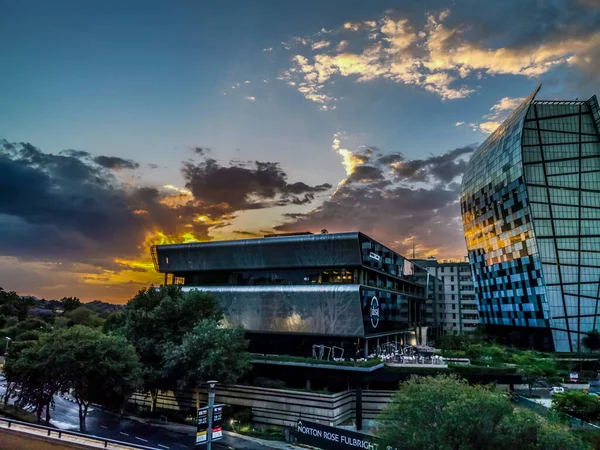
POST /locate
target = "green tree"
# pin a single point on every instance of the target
(29, 371)
(534, 369)
(155, 321)
(446, 413)
(577, 404)
(83, 316)
(93, 367)
(70, 303)
(208, 352)
(592, 340)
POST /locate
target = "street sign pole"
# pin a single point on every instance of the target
(211, 404)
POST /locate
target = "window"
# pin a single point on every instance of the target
(452, 278)
(452, 287)
(453, 297)
(453, 306)
(454, 316)
(442, 270)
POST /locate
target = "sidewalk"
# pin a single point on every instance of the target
(229, 437)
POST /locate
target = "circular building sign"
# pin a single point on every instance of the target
(374, 312)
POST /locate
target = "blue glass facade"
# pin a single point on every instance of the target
(530, 207)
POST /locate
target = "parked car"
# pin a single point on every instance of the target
(556, 390)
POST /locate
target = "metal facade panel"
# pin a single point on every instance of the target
(319, 250)
(333, 310)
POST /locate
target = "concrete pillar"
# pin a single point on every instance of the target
(308, 384)
(166, 281)
(377, 346)
(366, 348)
(358, 407)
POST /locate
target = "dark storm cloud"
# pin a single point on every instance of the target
(202, 151)
(443, 167)
(246, 233)
(389, 210)
(71, 208)
(246, 186)
(366, 174)
(75, 153)
(115, 163)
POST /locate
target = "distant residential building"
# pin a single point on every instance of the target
(451, 303)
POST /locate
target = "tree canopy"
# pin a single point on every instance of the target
(577, 404)
(161, 322)
(83, 361)
(446, 413)
(592, 340)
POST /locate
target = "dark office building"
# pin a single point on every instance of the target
(290, 292)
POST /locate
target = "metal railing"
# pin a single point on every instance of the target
(62, 434)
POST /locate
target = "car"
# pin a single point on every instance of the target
(556, 390)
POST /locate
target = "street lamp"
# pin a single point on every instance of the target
(7, 342)
(211, 403)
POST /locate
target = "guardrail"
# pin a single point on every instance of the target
(63, 434)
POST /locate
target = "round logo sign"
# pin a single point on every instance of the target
(374, 312)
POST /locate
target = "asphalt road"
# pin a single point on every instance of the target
(65, 416)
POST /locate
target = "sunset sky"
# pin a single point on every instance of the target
(125, 124)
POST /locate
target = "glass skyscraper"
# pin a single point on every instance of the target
(531, 215)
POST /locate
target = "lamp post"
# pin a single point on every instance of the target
(211, 403)
(7, 342)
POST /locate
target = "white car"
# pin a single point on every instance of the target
(556, 390)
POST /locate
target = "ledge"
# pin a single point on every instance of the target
(332, 366)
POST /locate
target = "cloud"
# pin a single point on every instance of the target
(74, 210)
(320, 45)
(250, 98)
(246, 233)
(447, 56)
(268, 49)
(153, 166)
(458, 124)
(245, 186)
(115, 163)
(377, 198)
(498, 113)
(201, 150)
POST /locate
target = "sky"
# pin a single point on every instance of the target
(128, 124)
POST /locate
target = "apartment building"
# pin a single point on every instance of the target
(455, 309)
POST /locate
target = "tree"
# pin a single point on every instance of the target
(534, 369)
(70, 303)
(155, 321)
(446, 413)
(83, 316)
(29, 371)
(577, 404)
(206, 353)
(592, 340)
(92, 366)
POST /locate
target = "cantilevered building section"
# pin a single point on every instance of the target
(341, 289)
(531, 214)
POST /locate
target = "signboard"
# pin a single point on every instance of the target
(202, 426)
(374, 312)
(217, 428)
(331, 438)
(574, 376)
(374, 256)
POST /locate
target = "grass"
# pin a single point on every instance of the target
(17, 414)
(269, 433)
(299, 359)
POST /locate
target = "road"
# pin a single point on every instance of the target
(65, 416)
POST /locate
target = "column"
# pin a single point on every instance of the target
(366, 348)
(358, 407)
